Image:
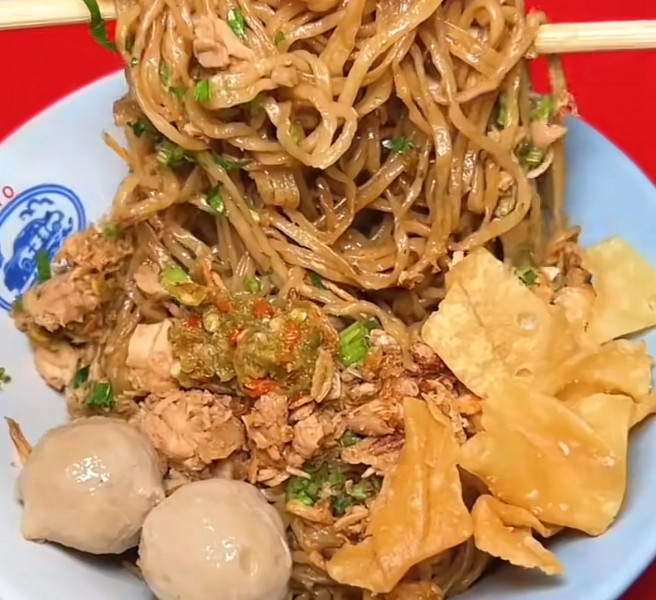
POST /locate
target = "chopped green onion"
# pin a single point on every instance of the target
(237, 23)
(129, 43)
(113, 231)
(252, 285)
(134, 62)
(257, 104)
(316, 280)
(174, 275)
(43, 269)
(542, 108)
(349, 439)
(354, 344)
(101, 397)
(528, 276)
(399, 145)
(4, 377)
(138, 128)
(171, 155)
(529, 156)
(215, 199)
(503, 116)
(280, 38)
(81, 377)
(305, 491)
(340, 504)
(178, 91)
(164, 73)
(297, 134)
(203, 91)
(227, 163)
(98, 25)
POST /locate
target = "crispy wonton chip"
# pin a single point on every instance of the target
(419, 513)
(491, 327)
(625, 284)
(504, 531)
(566, 465)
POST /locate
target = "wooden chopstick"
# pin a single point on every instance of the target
(552, 39)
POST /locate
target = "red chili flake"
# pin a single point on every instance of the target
(225, 306)
(258, 387)
(237, 336)
(194, 322)
(262, 309)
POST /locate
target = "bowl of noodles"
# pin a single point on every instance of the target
(339, 265)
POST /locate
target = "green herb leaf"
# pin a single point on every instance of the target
(215, 199)
(81, 377)
(98, 25)
(237, 23)
(529, 156)
(252, 285)
(528, 276)
(228, 163)
(171, 155)
(503, 116)
(174, 275)
(542, 108)
(179, 91)
(317, 281)
(340, 504)
(43, 269)
(354, 344)
(305, 491)
(101, 397)
(164, 73)
(203, 91)
(4, 377)
(138, 128)
(280, 38)
(113, 231)
(349, 439)
(399, 145)
(297, 133)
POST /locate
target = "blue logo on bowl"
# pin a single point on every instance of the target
(37, 220)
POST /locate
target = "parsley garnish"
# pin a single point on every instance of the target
(349, 439)
(98, 25)
(227, 163)
(528, 276)
(43, 269)
(215, 199)
(174, 275)
(237, 23)
(81, 377)
(280, 38)
(203, 91)
(399, 145)
(171, 155)
(101, 397)
(4, 377)
(316, 280)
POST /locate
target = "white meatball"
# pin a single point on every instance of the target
(215, 539)
(89, 485)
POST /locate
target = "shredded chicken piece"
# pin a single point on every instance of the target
(57, 363)
(216, 46)
(267, 425)
(363, 391)
(308, 434)
(319, 513)
(150, 358)
(65, 299)
(379, 453)
(377, 417)
(191, 429)
(95, 251)
(23, 447)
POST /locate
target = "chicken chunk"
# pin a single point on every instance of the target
(191, 429)
(95, 251)
(267, 424)
(379, 453)
(150, 358)
(381, 416)
(57, 363)
(65, 299)
(216, 46)
(308, 435)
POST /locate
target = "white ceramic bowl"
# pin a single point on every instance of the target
(56, 175)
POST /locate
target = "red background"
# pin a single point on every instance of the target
(614, 92)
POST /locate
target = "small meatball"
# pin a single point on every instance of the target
(89, 485)
(215, 539)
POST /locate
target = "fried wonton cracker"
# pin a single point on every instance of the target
(491, 327)
(419, 513)
(565, 464)
(505, 531)
(625, 284)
